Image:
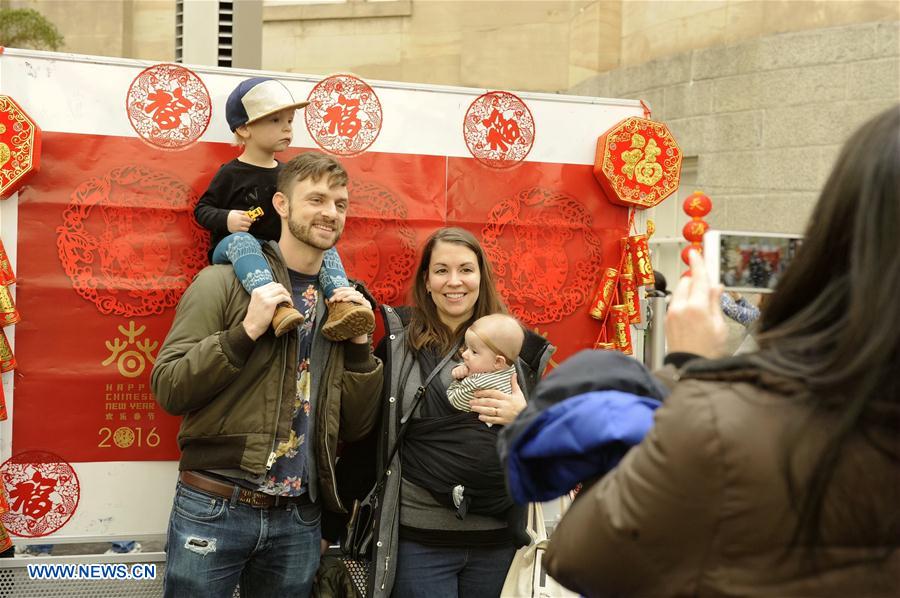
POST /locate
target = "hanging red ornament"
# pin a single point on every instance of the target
(605, 292)
(638, 163)
(7, 276)
(685, 253)
(618, 329)
(694, 230)
(7, 359)
(697, 205)
(20, 146)
(8, 312)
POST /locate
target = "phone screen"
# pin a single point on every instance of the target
(754, 262)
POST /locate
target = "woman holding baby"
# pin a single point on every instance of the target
(446, 525)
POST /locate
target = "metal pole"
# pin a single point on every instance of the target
(655, 347)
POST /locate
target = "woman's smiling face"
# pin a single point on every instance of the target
(453, 279)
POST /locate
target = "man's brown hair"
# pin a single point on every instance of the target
(311, 165)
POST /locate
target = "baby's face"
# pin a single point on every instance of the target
(478, 357)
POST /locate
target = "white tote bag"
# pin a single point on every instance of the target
(527, 577)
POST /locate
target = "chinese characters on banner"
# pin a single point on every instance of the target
(499, 129)
(168, 106)
(43, 492)
(112, 244)
(344, 115)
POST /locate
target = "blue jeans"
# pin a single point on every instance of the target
(432, 572)
(213, 543)
(242, 250)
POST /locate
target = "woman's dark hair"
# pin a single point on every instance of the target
(832, 322)
(425, 327)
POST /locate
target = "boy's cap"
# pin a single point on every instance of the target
(257, 98)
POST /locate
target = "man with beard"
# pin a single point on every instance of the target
(262, 414)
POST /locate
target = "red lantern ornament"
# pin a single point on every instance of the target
(638, 163)
(686, 252)
(696, 205)
(694, 230)
(20, 146)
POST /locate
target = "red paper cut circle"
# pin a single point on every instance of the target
(638, 163)
(43, 493)
(168, 106)
(499, 129)
(20, 146)
(116, 241)
(344, 115)
(378, 217)
(544, 253)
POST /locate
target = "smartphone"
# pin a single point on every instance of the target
(749, 262)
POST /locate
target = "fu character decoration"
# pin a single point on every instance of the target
(20, 146)
(638, 163)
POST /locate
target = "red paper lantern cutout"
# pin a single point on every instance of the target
(638, 163)
(20, 146)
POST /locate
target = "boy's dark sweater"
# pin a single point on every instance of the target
(239, 186)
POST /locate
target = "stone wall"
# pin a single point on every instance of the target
(766, 117)
(121, 28)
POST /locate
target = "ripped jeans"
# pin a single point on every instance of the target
(213, 543)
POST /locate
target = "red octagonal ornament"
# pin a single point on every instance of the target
(20, 146)
(638, 163)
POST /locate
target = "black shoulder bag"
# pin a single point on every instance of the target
(357, 540)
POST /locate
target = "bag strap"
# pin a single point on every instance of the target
(404, 420)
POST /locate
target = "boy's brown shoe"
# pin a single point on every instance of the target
(347, 320)
(286, 318)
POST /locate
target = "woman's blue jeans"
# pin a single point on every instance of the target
(432, 572)
(214, 543)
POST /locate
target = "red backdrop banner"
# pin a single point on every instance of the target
(107, 244)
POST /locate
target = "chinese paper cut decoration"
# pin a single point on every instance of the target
(20, 146)
(378, 211)
(117, 233)
(168, 106)
(344, 115)
(696, 205)
(543, 249)
(43, 492)
(499, 129)
(5, 540)
(638, 163)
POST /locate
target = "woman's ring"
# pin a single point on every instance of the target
(496, 411)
